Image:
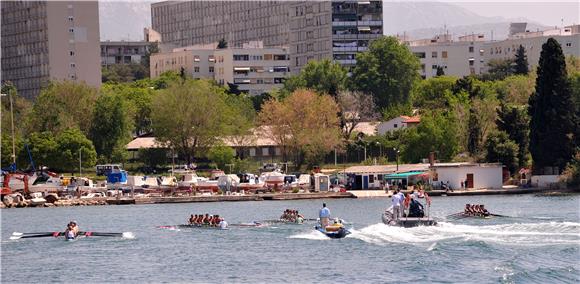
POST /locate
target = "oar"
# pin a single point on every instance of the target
(17, 235)
(497, 215)
(101, 234)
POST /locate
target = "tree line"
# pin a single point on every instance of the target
(511, 115)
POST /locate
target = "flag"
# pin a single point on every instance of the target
(428, 199)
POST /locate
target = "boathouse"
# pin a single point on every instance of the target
(467, 175)
(373, 177)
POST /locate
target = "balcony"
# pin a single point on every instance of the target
(344, 23)
(370, 23)
(346, 61)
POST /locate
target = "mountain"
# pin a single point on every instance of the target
(124, 20)
(419, 20)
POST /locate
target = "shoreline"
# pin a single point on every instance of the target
(100, 201)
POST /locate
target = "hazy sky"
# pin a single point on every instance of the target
(123, 19)
(547, 13)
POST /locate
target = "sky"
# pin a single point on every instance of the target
(126, 20)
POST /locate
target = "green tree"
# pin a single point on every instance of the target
(111, 127)
(521, 62)
(70, 143)
(153, 157)
(554, 121)
(259, 100)
(440, 71)
(64, 105)
(434, 93)
(515, 89)
(482, 117)
(571, 174)
(190, 115)
(221, 155)
(120, 73)
(437, 132)
(43, 149)
(325, 77)
(498, 69)
(387, 71)
(222, 44)
(146, 59)
(499, 148)
(514, 121)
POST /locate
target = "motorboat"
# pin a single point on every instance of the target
(333, 231)
(406, 222)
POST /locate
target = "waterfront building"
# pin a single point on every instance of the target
(470, 55)
(255, 69)
(123, 52)
(49, 40)
(313, 30)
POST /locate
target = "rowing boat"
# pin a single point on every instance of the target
(17, 235)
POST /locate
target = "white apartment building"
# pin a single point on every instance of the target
(253, 68)
(457, 58)
(469, 55)
(568, 37)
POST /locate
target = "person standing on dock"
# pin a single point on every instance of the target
(324, 215)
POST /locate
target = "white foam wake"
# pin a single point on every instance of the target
(548, 233)
(312, 235)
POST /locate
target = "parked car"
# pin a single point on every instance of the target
(269, 167)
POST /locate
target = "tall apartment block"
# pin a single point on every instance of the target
(311, 29)
(49, 40)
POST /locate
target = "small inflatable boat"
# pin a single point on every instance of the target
(333, 231)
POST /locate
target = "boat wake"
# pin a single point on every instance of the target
(530, 234)
(312, 235)
(128, 235)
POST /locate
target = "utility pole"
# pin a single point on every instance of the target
(80, 162)
(1, 95)
(12, 122)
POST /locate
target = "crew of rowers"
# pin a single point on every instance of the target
(205, 220)
(292, 216)
(475, 210)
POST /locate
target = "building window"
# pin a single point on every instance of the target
(252, 152)
(471, 49)
(72, 65)
(265, 151)
(395, 125)
(471, 61)
(196, 58)
(211, 58)
(371, 178)
(241, 57)
(444, 54)
(420, 54)
(211, 69)
(70, 18)
(71, 30)
(196, 69)
(568, 44)
(268, 56)
(72, 53)
(434, 54)
(433, 66)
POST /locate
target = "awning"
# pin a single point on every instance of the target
(366, 29)
(403, 175)
(241, 68)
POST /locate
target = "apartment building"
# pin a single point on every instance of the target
(457, 58)
(568, 37)
(49, 40)
(312, 30)
(255, 69)
(123, 52)
(469, 55)
(354, 25)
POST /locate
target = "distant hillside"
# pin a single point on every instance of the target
(500, 30)
(426, 19)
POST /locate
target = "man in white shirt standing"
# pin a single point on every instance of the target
(396, 205)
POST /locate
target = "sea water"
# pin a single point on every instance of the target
(538, 243)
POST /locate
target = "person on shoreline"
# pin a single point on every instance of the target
(324, 215)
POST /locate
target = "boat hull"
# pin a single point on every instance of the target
(408, 222)
(341, 233)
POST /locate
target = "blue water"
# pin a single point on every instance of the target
(539, 244)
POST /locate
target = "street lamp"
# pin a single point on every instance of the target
(380, 148)
(397, 153)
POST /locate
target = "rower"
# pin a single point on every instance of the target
(192, 219)
(206, 219)
(223, 224)
(485, 212)
(467, 209)
(69, 232)
(75, 227)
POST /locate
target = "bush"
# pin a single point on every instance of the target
(571, 174)
(296, 190)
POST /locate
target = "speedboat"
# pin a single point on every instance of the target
(406, 222)
(334, 231)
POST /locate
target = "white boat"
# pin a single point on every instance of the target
(273, 178)
(37, 199)
(190, 179)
